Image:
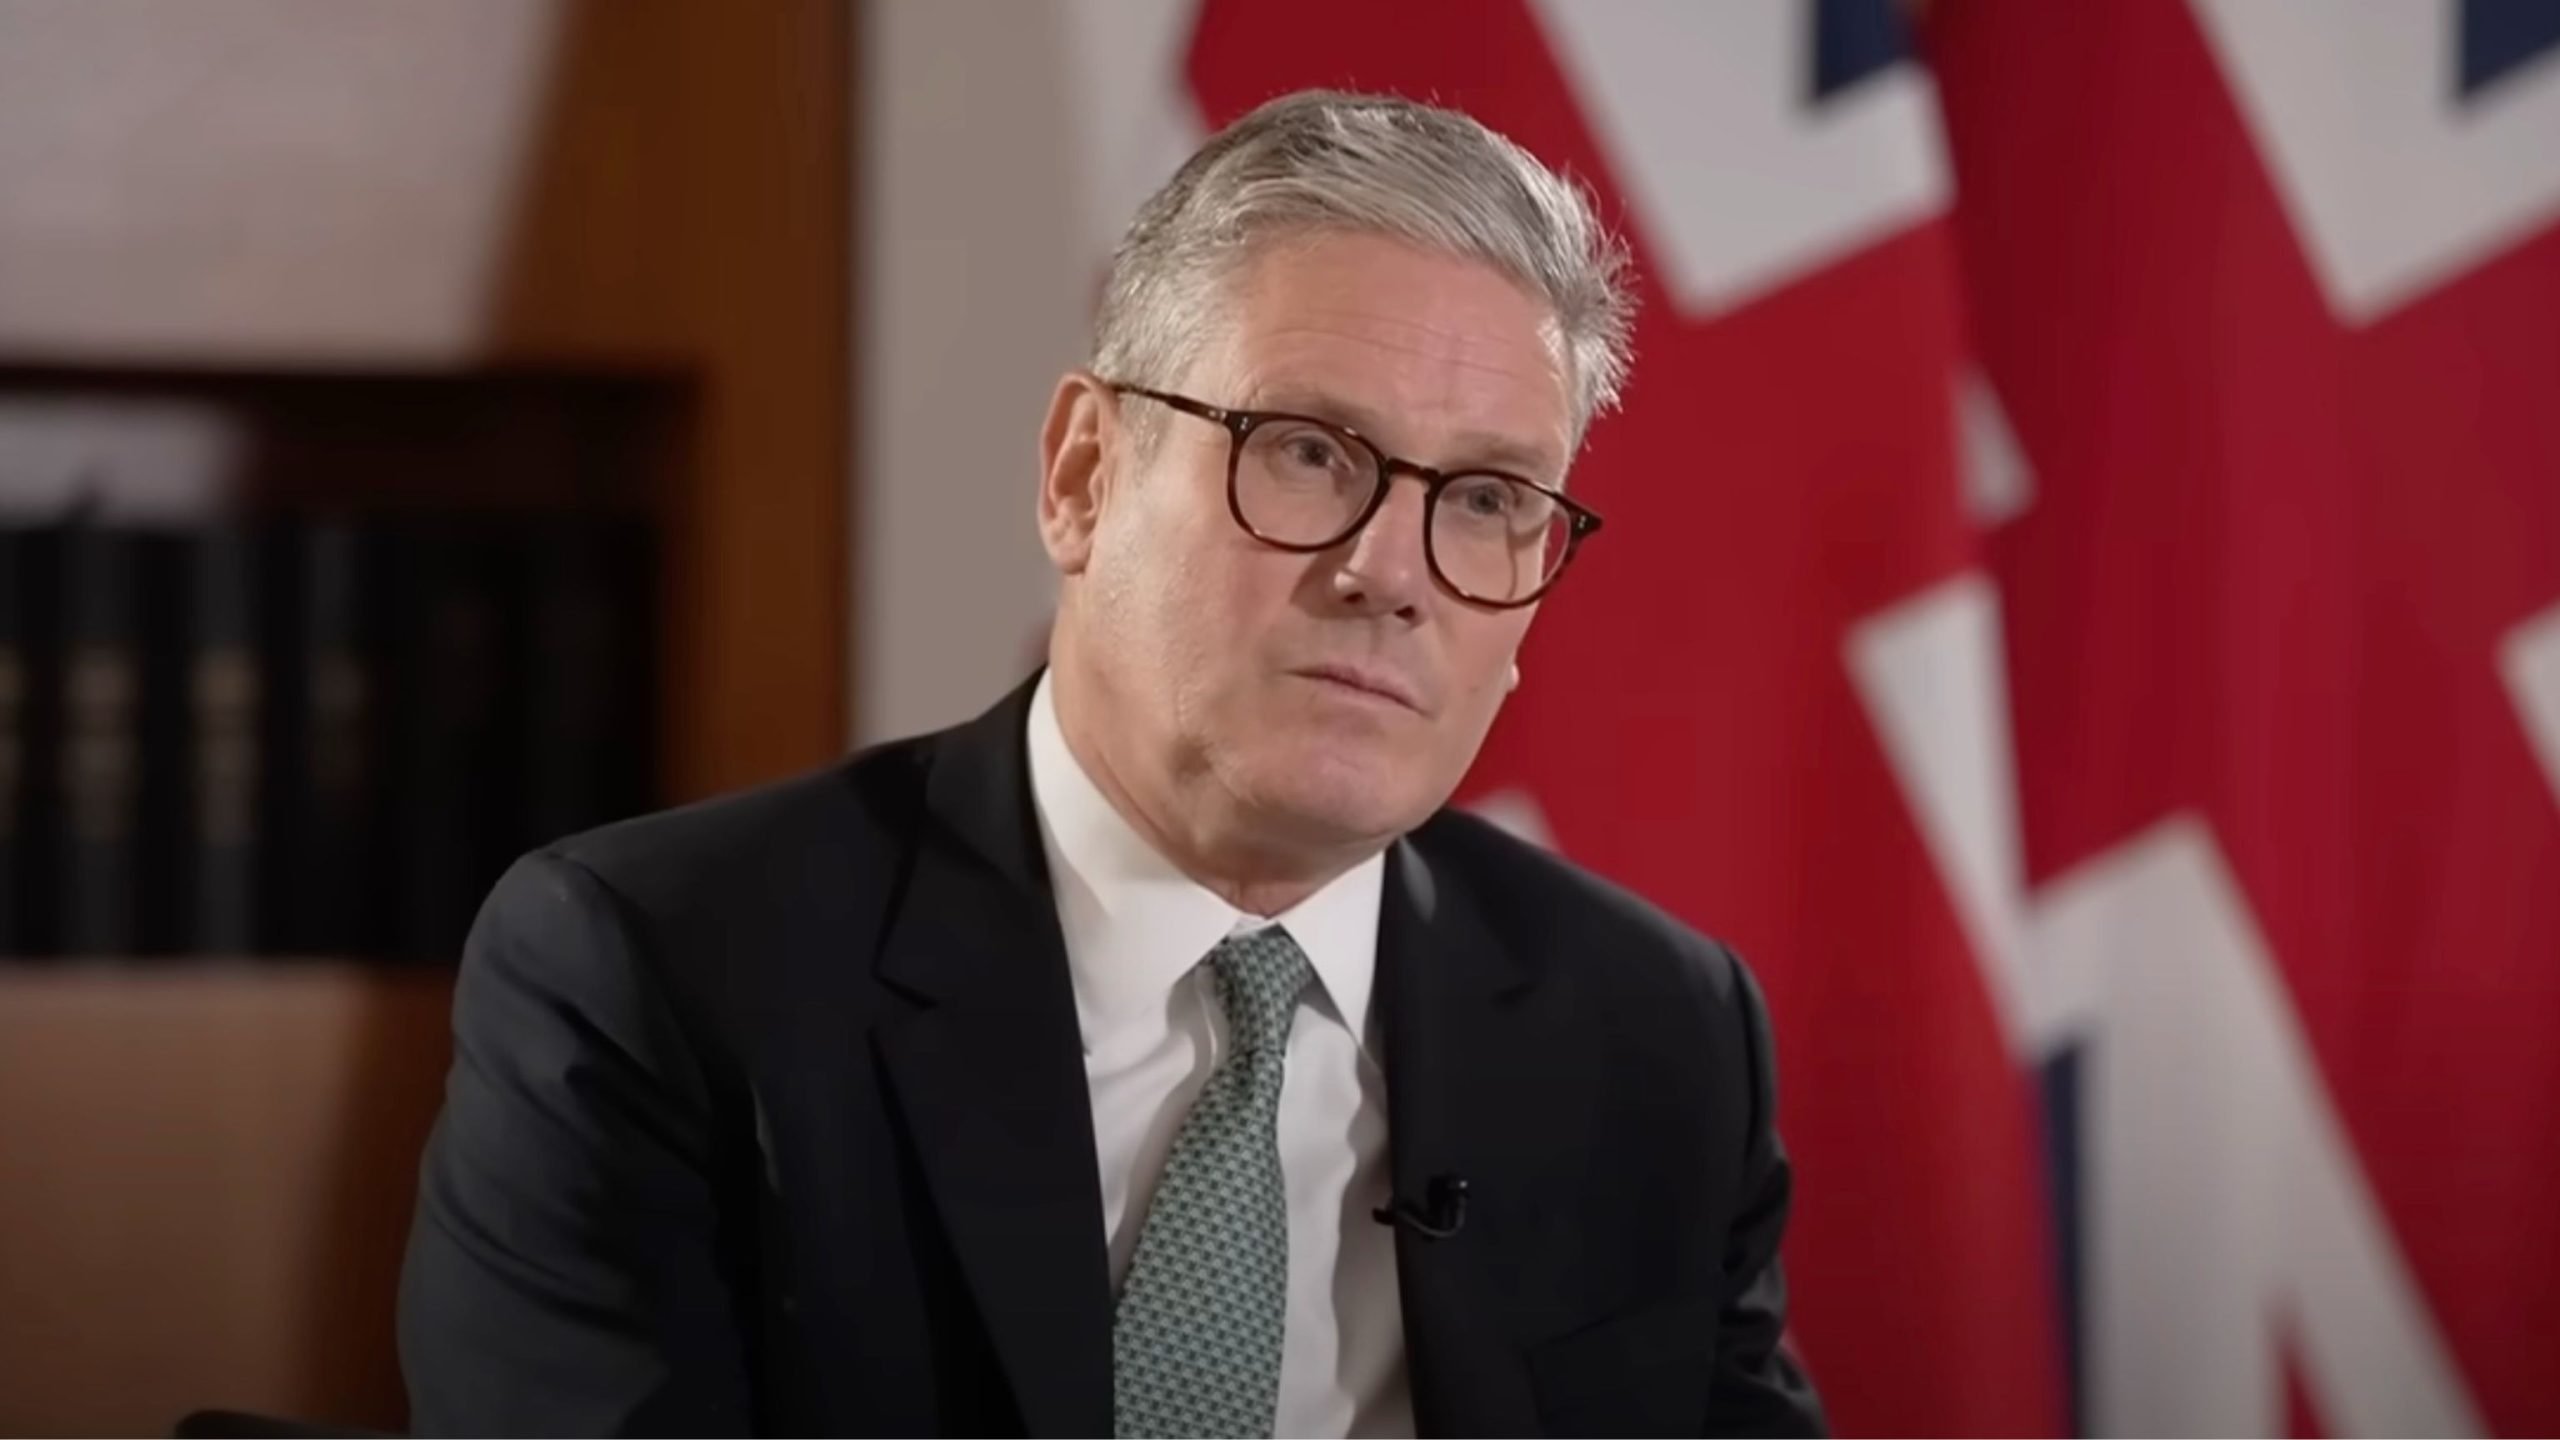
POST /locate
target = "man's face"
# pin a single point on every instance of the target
(1335, 698)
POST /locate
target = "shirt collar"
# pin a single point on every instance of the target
(1135, 925)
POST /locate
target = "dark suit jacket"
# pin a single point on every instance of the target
(770, 1114)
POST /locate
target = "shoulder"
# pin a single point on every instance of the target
(720, 911)
(1599, 935)
(766, 850)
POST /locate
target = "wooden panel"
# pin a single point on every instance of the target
(672, 192)
(206, 1177)
(689, 205)
(206, 1173)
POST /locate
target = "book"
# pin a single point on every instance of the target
(589, 593)
(455, 651)
(226, 826)
(327, 893)
(98, 758)
(19, 664)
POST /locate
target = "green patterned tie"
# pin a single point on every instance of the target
(1195, 1344)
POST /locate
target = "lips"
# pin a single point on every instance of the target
(1386, 685)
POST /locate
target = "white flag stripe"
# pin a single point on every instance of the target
(2530, 661)
(1738, 184)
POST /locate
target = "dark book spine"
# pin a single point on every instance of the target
(99, 761)
(17, 685)
(590, 746)
(459, 775)
(36, 867)
(226, 697)
(328, 740)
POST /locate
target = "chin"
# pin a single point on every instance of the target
(1333, 793)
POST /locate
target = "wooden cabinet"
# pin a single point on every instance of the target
(205, 1181)
(207, 1166)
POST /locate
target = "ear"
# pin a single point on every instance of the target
(1079, 451)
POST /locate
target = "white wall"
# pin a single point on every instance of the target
(298, 180)
(1003, 145)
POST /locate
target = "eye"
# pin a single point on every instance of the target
(1306, 447)
(1484, 497)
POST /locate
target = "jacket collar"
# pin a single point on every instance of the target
(986, 1063)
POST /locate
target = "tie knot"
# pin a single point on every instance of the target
(1260, 974)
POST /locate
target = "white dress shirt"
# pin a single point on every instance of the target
(1137, 930)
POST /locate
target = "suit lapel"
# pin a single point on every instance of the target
(988, 1070)
(1456, 1030)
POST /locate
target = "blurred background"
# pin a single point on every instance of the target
(2081, 611)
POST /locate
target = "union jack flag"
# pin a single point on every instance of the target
(2082, 612)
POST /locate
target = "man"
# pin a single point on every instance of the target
(1154, 1054)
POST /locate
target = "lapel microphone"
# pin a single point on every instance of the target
(1442, 1214)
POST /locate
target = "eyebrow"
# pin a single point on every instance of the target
(1493, 452)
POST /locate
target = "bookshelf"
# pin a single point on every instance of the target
(303, 659)
(210, 1157)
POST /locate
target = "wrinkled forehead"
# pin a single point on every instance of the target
(1408, 344)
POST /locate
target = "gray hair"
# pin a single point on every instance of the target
(1330, 160)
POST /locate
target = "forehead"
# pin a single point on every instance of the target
(1428, 343)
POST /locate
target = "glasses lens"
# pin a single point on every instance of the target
(1497, 539)
(1301, 483)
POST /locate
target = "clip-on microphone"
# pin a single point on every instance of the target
(1443, 1213)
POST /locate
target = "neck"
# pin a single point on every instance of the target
(1254, 874)
(1264, 898)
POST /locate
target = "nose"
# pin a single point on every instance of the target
(1385, 571)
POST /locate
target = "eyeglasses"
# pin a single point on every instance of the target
(1298, 483)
